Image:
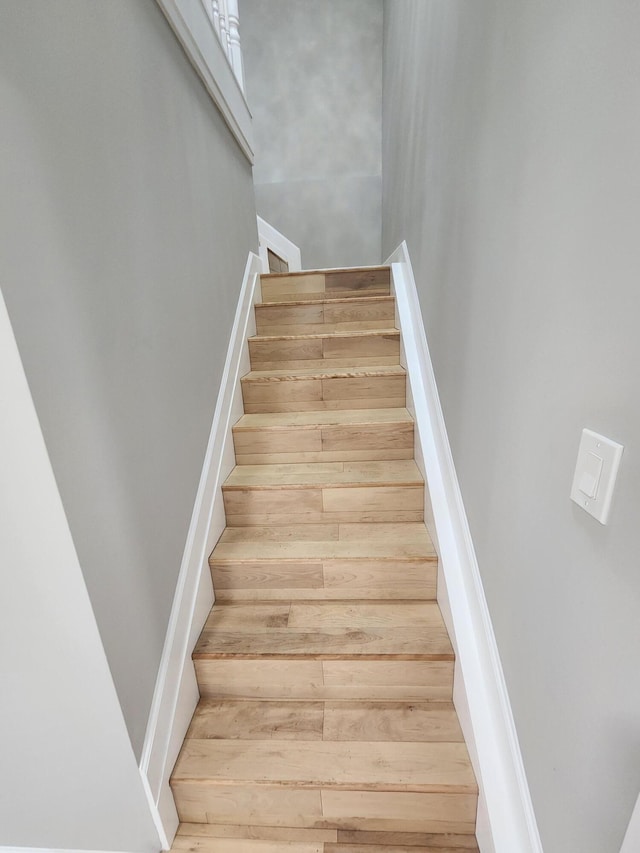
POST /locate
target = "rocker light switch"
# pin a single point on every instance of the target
(595, 476)
(590, 479)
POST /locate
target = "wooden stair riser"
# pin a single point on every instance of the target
(309, 505)
(325, 680)
(325, 285)
(195, 836)
(360, 348)
(349, 722)
(324, 443)
(275, 318)
(398, 767)
(288, 806)
(324, 580)
(287, 394)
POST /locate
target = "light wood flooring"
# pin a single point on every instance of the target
(326, 722)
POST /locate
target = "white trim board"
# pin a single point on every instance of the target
(506, 820)
(176, 692)
(271, 238)
(195, 32)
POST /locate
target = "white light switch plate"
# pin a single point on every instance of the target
(595, 476)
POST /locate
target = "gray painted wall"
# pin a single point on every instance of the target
(512, 167)
(314, 85)
(70, 780)
(126, 215)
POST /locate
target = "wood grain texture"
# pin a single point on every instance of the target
(412, 535)
(246, 720)
(410, 839)
(321, 327)
(319, 285)
(352, 435)
(325, 474)
(290, 807)
(325, 630)
(394, 848)
(329, 387)
(315, 420)
(391, 721)
(249, 804)
(324, 581)
(354, 279)
(236, 845)
(346, 347)
(196, 835)
(328, 680)
(268, 833)
(262, 495)
(285, 517)
(323, 295)
(327, 644)
(407, 812)
(364, 766)
(329, 364)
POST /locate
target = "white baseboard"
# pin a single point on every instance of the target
(271, 238)
(506, 820)
(176, 691)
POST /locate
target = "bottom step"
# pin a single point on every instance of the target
(211, 838)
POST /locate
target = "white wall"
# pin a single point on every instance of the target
(69, 775)
(126, 215)
(511, 164)
(313, 76)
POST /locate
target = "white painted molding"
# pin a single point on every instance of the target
(631, 843)
(270, 238)
(506, 820)
(176, 691)
(195, 32)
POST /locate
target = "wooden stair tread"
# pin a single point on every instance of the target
(366, 533)
(296, 551)
(242, 845)
(310, 331)
(325, 300)
(332, 371)
(311, 420)
(328, 332)
(317, 295)
(366, 766)
(267, 833)
(246, 719)
(399, 472)
(325, 630)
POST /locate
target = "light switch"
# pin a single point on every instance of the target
(590, 479)
(595, 475)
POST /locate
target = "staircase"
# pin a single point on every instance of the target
(326, 723)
